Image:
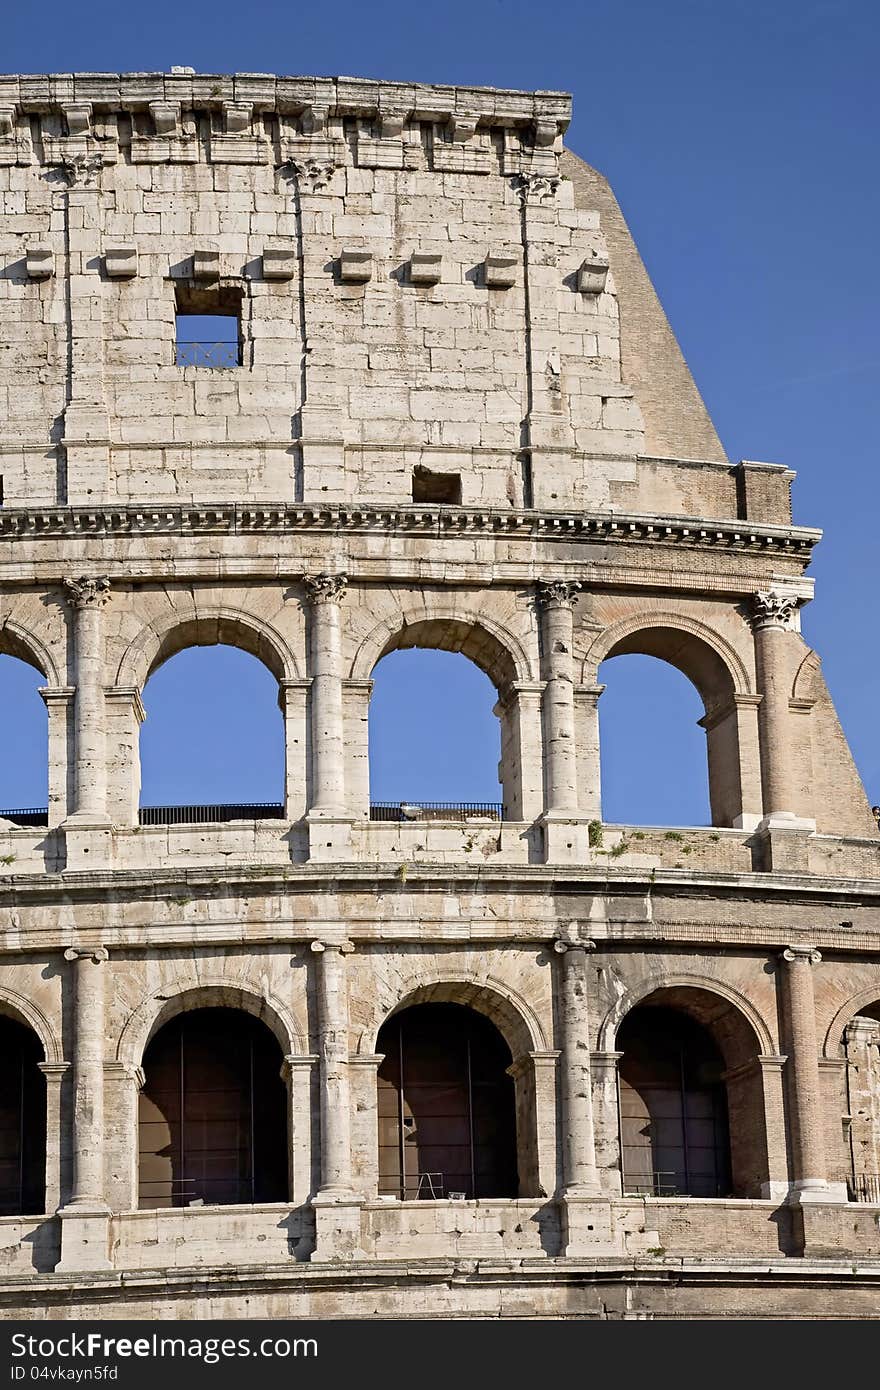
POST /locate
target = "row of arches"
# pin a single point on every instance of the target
(653, 754)
(214, 1120)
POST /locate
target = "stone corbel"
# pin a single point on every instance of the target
(425, 267)
(166, 117)
(355, 266)
(78, 118)
(592, 276)
(121, 262)
(237, 117)
(40, 261)
(500, 270)
(279, 263)
(206, 264)
(456, 150)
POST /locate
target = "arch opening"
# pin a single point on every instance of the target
(655, 760)
(690, 1098)
(857, 1163)
(212, 1113)
(213, 740)
(435, 741)
(24, 739)
(446, 1106)
(22, 1121)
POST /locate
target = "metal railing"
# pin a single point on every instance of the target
(34, 815)
(207, 354)
(207, 815)
(668, 1184)
(865, 1188)
(436, 810)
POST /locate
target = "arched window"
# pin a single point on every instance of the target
(22, 1121)
(673, 1108)
(213, 736)
(858, 1164)
(653, 754)
(434, 738)
(447, 1120)
(212, 1122)
(24, 748)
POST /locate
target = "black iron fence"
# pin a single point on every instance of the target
(206, 815)
(865, 1188)
(34, 815)
(436, 810)
(207, 354)
(672, 1184)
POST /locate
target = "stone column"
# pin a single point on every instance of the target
(534, 1079)
(804, 1091)
(336, 1205)
(125, 715)
(325, 593)
(297, 1074)
(772, 614)
(579, 1173)
(87, 596)
(356, 704)
(564, 837)
(85, 1218)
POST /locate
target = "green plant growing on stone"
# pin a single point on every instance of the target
(673, 835)
(595, 834)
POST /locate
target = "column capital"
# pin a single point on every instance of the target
(325, 588)
(557, 593)
(87, 591)
(773, 608)
(561, 947)
(99, 954)
(806, 955)
(345, 948)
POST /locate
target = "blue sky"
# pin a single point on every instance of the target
(741, 141)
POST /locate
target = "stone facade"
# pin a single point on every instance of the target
(460, 420)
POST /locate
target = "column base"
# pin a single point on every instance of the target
(588, 1228)
(816, 1191)
(566, 841)
(88, 842)
(329, 836)
(337, 1227)
(85, 1239)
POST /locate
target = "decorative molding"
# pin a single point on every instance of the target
(88, 591)
(773, 608)
(29, 523)
(557, 593)
(325, 588)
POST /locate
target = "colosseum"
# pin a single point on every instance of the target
(329, 1057)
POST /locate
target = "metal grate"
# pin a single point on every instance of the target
(671, 1184)
(435, 810)
(206, 815)
(207, 354)
(35, 815)
(866, 1188)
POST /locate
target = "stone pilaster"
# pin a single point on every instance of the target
(86, 422)
(85, 1218)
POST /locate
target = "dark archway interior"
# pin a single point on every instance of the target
(673, 1107)
(447, 1118)
(212, 1121)
(22, 1121)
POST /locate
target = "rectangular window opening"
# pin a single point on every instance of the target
(442, 488)
(208, 326)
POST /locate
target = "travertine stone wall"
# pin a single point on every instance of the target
(460, 421)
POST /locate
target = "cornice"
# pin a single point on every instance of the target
(33, 523)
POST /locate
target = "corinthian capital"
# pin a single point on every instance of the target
(558, 593)
(325, 588)
(87, 592)
(773, 608)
